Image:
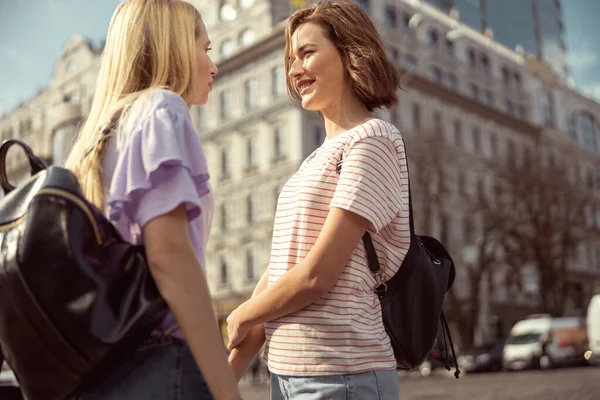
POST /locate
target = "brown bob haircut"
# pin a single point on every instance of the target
(349, 28)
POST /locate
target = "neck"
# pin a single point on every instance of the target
(345, 114)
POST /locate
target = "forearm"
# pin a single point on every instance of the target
(293, 291)
(242, 355)
(183, 285)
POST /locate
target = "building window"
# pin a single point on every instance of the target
(487, 97)
(548, 113)
(476, 140)
(517, 78)
(406, 23)
(277, 145)
(224, 271)
(250, 209)
(485, 64)
(227, 48)
(589, 130)
(571, 129)
(509, 107)
(451, 81)
(390, 17)
(250, 264)
(473, 91)
(449, 47)
(494, 144)
(462, 183)
(224, 163)
(510, 150)
(582, 125)
(224, 105)
(458, 138)
(247, 38)
(223, 217)
(25, 127)
(433, 37)
(437, 122)
(250, 156)
(251, 94)
(409, 62)
(435, 74)
(505, 76)
(278, 83)
(416, 117)
(471, 58)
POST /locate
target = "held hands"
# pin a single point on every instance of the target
(237, 329)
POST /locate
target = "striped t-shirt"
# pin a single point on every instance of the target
(342, 332)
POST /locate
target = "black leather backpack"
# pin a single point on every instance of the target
(74, 297)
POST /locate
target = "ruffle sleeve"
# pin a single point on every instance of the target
(160, 166)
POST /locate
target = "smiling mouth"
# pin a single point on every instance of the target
(304, 86)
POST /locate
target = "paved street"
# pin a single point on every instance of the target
(561, 384)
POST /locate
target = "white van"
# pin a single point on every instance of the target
(541, 341)
(593, 328)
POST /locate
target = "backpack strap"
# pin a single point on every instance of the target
(367, 241)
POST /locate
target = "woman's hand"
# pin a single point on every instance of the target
(237, 329)
(242, 355)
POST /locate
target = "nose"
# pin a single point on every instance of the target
(296, 69)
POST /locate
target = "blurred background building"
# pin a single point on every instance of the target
(534, 27)
(471, 98)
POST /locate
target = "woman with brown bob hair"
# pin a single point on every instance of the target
(316, 305)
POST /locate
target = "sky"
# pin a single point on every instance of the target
(33, 34)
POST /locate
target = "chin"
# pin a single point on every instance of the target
(201, 100)
(309, 105)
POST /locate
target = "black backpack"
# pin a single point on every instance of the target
(75, 298)
(411, 301)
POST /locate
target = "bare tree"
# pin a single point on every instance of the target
(548, 223)
(432, 163)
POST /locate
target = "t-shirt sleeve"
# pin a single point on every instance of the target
(161, 166)
(370, 181)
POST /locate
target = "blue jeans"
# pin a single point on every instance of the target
(161, 369)
(371, 385)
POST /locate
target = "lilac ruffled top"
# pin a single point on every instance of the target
(154, 164)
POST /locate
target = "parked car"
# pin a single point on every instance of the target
(486, 358)
(593, 329)
(545, 342)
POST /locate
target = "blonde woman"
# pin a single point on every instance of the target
(139, 158)
(325, 337)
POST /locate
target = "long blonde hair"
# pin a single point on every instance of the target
(150, 44)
